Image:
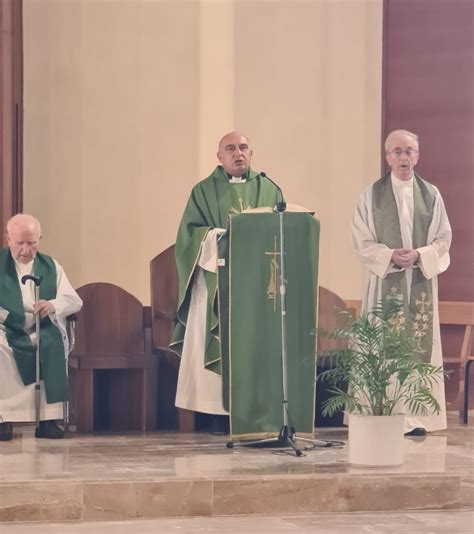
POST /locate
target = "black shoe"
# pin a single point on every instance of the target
(49, 429)
(418, 431)
(6, 431)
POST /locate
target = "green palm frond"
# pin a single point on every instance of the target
(377, 370)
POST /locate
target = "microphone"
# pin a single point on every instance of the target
(279, 206)
(36, 279)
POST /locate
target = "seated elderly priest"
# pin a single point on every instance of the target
(18, 311)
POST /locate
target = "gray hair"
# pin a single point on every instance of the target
(23, 219)
(405, 132)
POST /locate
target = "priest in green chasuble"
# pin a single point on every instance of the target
(231, 188)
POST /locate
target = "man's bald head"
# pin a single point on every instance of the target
(234, 153)
(23, 235)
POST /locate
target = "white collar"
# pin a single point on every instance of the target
(23, 268)
(396, 182)
(237, 180)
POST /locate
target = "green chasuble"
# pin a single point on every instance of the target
(52, 361)
(209, 206)
(251, 322)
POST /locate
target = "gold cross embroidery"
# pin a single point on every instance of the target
(397, 321)
(272, 290)
(420, 324)
(423, 302)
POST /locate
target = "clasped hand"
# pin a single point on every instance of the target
(405, 257)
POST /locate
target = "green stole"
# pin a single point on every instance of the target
(210, 203)
(418, 312)
(52, 361)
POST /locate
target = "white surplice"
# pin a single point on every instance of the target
(199, 389)
(17, 401)
(376, 259)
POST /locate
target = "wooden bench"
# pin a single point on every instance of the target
(112, 369)
(452, 314)
(461, 314)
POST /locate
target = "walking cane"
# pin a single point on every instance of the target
(37, 281)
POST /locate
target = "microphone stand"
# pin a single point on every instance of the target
(287, 435)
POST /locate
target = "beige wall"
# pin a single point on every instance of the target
(125, 101)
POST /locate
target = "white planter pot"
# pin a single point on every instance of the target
(376, 440)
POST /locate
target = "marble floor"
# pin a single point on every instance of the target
(431, 522)
(174, 456)
(148, 479)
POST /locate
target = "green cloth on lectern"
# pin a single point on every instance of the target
(52, 360)
(250, 312)
(210, 203)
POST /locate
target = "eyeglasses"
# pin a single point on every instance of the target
(397, 152)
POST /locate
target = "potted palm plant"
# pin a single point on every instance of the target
(375, 377)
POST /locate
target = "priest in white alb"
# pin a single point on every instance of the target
(401, 234)
(18, 336)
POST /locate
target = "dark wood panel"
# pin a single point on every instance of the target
(11, 111)
(428, 87)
